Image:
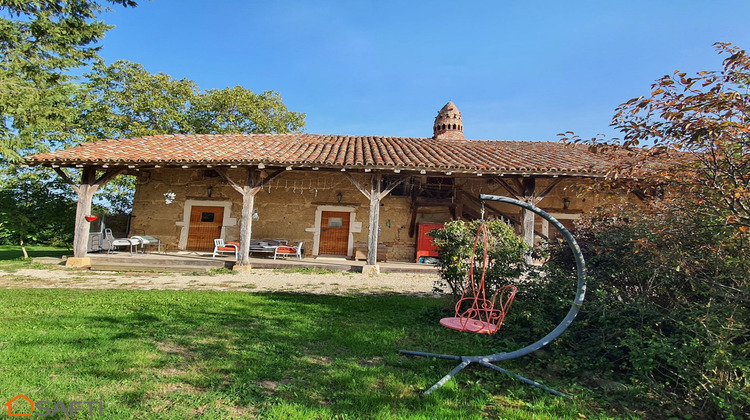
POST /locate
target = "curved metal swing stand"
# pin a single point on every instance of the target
(498, 357)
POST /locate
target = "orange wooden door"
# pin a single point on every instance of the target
(205, 226)
(334, 232)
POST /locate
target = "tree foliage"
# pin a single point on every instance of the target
(668, 308)
(35, 209)
(125, 100)
(40, 41)
(459, 240)
(44, 107)
(706, 115)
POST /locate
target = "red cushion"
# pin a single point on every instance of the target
(226, 248)
(233, 243)
(285, 250)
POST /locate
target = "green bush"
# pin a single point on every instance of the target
(456, 242)
(667, 308)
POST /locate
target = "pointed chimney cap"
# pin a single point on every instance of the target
(448, 123)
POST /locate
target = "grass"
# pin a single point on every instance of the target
(11, 256)
(183, 354)
(13, 252)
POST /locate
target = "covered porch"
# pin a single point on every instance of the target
(197, 261)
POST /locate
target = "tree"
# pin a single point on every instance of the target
(40, 41)
(706, 115)
(35, 209)
(669, 309)
(125, 100)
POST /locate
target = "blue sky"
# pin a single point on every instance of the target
(517, 70)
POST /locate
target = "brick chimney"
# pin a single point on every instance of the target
(448, 124)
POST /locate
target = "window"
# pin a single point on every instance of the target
(402, 190)
(437, 187)
(335, 222)
(207, 217)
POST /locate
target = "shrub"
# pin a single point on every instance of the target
(506, 252)
(667, 307)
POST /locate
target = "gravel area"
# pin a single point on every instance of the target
(258, 280)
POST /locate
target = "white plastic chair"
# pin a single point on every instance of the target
(286, 250)
(221, 247)
(110, 242)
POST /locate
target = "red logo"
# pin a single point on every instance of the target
(10, 404)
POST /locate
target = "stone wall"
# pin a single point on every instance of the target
(286, 207)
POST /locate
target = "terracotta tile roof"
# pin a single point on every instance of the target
(331, 151)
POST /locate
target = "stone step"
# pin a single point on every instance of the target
(153, 268)
(166, 262)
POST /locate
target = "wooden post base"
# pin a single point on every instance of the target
(78, 262)
(247, 267)
(371, 270)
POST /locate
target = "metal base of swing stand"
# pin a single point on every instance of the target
(482, 360)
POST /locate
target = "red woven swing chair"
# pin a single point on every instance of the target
(474, 311)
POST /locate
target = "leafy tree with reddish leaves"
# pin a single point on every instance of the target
(670, 276)
(706, 115)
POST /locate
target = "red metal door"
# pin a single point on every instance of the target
(425, 247)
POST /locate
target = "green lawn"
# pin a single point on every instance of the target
(11, 256)
(175, 355)
(12, 252)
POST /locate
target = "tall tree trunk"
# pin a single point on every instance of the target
(23, 248)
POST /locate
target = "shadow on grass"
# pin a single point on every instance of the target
(179, 354)
(13, 252)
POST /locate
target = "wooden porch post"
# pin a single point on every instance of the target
(90, 184)
(249, 190)
(526, 191)
(254, 181)
(529, 195)
(372, 234)
(374, 195)
(83, 208)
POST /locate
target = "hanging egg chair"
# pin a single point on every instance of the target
(475, 312)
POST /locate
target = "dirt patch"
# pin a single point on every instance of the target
(252, 281)
(272, 385)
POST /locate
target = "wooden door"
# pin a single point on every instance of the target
(334, 233)
(205, 226)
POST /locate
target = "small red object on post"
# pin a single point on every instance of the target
(90, 218)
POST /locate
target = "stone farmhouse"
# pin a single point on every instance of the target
(340, 195)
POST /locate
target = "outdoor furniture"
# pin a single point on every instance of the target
(229, 247)
(149, 240)
(110, 242)
(286, 250)
(267, 246)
